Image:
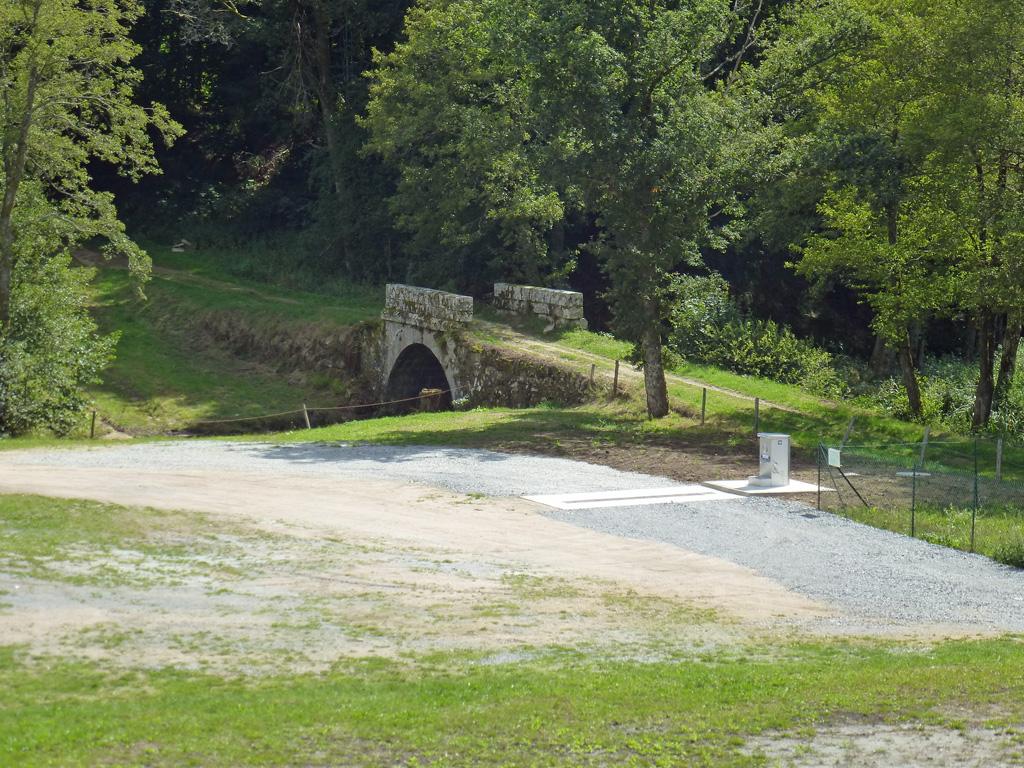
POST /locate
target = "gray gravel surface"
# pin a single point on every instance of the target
(457, 469)
(878, 580)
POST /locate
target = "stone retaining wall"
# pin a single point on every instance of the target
(426, 308)
(560, 309)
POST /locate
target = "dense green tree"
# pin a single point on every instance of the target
(65, 101)
(453, 112)
(269, 91)
(501, 117)
(842, 83)
(972, 113)
(635, 87)
(51, 350)
(321, 49)
(918, 118)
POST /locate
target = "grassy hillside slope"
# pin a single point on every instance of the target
(167, 376)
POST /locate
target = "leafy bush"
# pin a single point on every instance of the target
(891, 397)
(947, 397)
(53, 349)
(1010, 553)
(707, 327)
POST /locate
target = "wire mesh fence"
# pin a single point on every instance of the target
(967, 494)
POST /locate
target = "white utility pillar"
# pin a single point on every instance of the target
(774, 460)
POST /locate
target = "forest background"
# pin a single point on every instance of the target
(827, 193)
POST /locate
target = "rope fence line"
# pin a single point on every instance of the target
(304, 409)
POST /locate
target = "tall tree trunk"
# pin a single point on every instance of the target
(1008, 360)
(986, 364)
(905, 353)
(654, 371)
(327, 93)
(14, 148)
(919, 341)
(909, 373)
(6, 273)
(881, 358)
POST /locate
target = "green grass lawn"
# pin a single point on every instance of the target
(483, 427)
(561, 709)
(165, 377)
(201, 281)
(817, 419)
(996, 532)
(162, 381)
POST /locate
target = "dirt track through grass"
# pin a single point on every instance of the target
(140, 587)
(555, 351)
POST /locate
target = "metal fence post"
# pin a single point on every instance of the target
(821, 450)
(974, 509)
(913, 503)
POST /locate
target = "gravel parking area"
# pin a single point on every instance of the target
(456, 469)
(879, 581)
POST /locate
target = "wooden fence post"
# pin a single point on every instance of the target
(92, 426)
(305, 415)
(999, 460)
(703, 404)
(757, 415)
(615, 381)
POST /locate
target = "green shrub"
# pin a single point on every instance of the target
(707, 327)
(947, 397)
(1010, 553)
(52, 351)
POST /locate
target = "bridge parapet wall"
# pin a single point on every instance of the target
(422, 325)
(561, 309)
(426, 308)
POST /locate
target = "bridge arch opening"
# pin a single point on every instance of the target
(417, 368)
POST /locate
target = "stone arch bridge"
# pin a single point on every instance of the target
(424, 345)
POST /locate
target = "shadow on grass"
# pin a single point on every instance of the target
(551, 431)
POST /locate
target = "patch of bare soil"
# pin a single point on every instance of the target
(880, 745)
(326, 569)
(255, 601)
(679, 460)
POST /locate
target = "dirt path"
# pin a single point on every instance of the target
(552, 350)
(91, 258)
(509, 530)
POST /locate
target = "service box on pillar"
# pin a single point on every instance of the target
(774, 460)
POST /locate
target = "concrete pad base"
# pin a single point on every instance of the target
(744, 488)
(641, 497)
